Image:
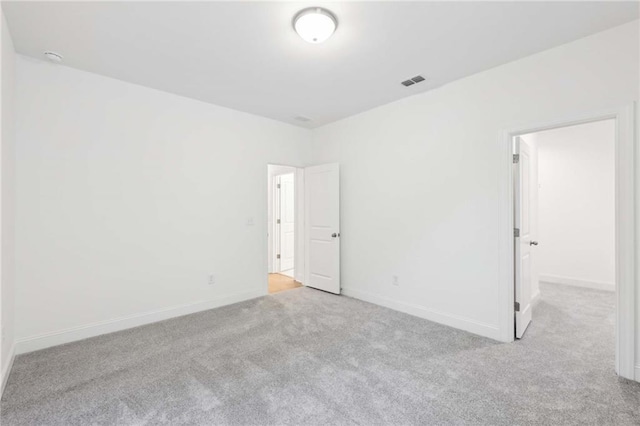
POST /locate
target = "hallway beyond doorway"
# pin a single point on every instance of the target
(280, 282)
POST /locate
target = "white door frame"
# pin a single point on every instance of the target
(625, 228)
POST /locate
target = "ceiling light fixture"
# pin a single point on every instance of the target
(315, 24)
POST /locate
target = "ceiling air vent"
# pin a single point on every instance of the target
(414, 80)
(303, 119)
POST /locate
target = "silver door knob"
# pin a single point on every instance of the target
(334, 235)
(533, 243)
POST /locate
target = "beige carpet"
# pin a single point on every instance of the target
(306, 357)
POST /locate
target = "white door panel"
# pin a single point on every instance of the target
(524, 218)
(322, 209)
(287, 221)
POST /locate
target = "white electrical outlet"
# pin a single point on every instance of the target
(250, 221)
(394, 280)
(212, 279)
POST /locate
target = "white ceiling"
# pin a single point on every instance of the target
(246, 55)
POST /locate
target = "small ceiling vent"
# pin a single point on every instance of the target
(303, 119)
(414, 80)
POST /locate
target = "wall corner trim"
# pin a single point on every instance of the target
(47, 340)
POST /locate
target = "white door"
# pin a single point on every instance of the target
(525, 187)
(322, 225)
(286, 217)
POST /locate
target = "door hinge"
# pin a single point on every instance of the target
(516, 305)
(278, 222)
(516, 158)
(277, 256)
(516, 232)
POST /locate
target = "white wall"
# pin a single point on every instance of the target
(7, 202)
(128, 198)
(576, 214)
(420, 177)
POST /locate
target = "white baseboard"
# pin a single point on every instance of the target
(577, 282)
(637, 373)
(535, 298)
(6, 370)
(46, 340)
(466, 324)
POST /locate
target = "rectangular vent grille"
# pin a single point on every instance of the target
(414, 80)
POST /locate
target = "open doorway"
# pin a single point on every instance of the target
(282, 224)
(303, 222)
(581, 191)
(566, 223)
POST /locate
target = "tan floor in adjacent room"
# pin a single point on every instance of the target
(279, 282)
